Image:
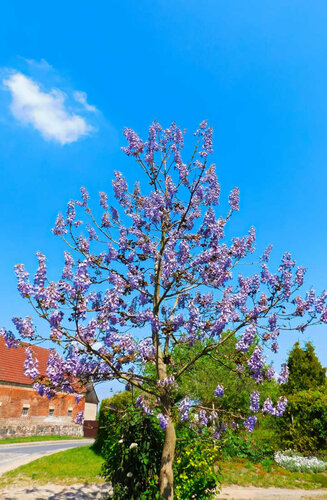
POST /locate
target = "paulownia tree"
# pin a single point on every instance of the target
(157, 271)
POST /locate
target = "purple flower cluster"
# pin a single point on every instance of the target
(184, 409)
(25, 327)
(255, 364)
(250, 422)
(163, 421)
(219, 391)
(234, 199)
(247, 338)
(203, 418)
(166, 382)
(79, 419)
(141, 403)
(283, 376)
(31, 364)
(269, 408)
(254, 401)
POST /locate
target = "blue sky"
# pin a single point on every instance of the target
(73, 74)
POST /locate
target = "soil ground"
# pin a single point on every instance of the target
(100, 491)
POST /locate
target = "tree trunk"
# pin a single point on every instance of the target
(167, 460)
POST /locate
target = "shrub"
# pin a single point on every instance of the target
(109, 417)
(256, 447)
(132, 456)
(304, 424)
(195, 470)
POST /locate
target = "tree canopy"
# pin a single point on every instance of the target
(305, 370)
(156, 271)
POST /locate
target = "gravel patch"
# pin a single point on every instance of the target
(249, 493)
(57, 492)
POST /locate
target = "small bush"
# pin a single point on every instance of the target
(256, 447)
(132, 458)
(196, 473)
(304, 424)
(109, 418)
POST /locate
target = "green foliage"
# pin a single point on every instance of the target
(109, 415)
(201, 379)
(196, 473)
(304, 424)
(256, 447)
(132, 456)
(134, 472)
(305, 370)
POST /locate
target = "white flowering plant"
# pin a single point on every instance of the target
(297, 463)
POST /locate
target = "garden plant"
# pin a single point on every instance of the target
(156, 271)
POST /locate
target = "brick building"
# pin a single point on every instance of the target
(24, 412)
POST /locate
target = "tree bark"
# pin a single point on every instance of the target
(167, 461)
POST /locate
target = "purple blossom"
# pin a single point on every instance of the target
(283, 376)
(40, 275)
(31, 364)
(141, 403)
(166, 382)
(272, 321)
(266, 254)
(203, 418)
(60, 225)
(25, 327)
(163, 421)
(255, 364)
(67, 272)
(71, 212)
(281, 406)
(82, 278)
(103, 200)
(250, 422)
(146, 350)
(268, 407)
(299, 275)
(274, 346)
(135, 145)
(79, 419)
(120, 187)
(269, 373)
(9, 338)
(184, 409)
(247, 338)
(24, 287)
(254, 401)
(219, 391)
(234, 199)
(105, 221)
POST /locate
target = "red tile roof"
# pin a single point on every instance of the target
(12, 362)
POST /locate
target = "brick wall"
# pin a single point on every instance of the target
(13, 398)
(43, 416)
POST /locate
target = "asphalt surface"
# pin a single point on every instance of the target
(13, 455)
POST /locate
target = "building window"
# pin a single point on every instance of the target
(25, 411)
(51, 411)
(70, 412)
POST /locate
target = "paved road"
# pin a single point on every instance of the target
(14, 455)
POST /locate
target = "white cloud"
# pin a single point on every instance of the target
(46, 112)
(42, 64)
(81, 97)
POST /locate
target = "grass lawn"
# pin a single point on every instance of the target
(83, 465)
(30, 439)
(77, 465)
(245, 473)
